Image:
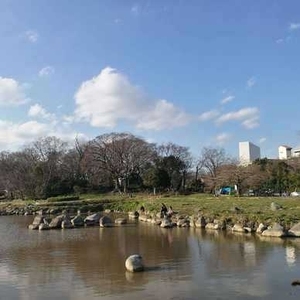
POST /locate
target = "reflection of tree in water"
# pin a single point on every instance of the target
(93, 258)
(230, 252)
(96, 256)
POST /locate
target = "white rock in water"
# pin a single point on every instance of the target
(134, 263)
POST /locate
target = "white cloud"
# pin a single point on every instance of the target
(15, 135)
(46, 71)
(248, 116)
(223, 138)
(109, 98)
(251, 82)
(31, 35)
(262, 140)
(68, 119)
(11, 92)
(208, 115)
(279, 41)
(20, 133)
(227, 99)
(164, 115)
(38, 111)
(294, 26)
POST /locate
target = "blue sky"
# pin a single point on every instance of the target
(197, 73)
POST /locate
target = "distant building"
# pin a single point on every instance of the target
(296, 152)
(284, 152)
(248, 152)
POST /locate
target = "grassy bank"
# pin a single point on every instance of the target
(257, 209)
(224, 207)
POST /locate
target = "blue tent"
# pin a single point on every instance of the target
(226, 190)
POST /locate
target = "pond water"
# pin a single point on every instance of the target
(89, 263)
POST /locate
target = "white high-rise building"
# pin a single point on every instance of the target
(248, 152)
(284, 152)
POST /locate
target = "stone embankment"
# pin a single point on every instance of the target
(103, 219)
(49, 209)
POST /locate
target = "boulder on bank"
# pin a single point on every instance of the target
(200, 222)
(44, 226)
(295, 230)
(66, 224)
(261, 228)
(39, 219)
(121, 221)
(77, 221)
(56, 222)
(183, 223)
(133, 215)
(134, 263)
(238, 228)
(274, 231)
(166, 223)
(212, 226)
(92, 219)
(105, 221)
(143, 218)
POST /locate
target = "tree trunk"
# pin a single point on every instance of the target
(197, 173)
(125, 185)
(117, 186)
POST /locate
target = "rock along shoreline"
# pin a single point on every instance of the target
(62, 219)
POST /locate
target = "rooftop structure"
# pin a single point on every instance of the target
(284, 152)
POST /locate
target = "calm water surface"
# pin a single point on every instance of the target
(88, 263)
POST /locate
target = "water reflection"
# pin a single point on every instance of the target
(182, 263)
(290, 252)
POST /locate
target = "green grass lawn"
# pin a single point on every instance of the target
(250, 208)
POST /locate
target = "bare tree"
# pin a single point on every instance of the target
(48, 153)
(210, 161)
(119, 154)
(242, 177)
(178, 159)
(18, 174)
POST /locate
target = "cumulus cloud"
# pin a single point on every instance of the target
(14, 135)
(251, 82)
(20, 133)
(227, 99)
(32, 36)
(38, 111)
(294, 26)
(164, 115)
(208, 115)
(109, 98)
(248, 116)
(11, 92)
(46, 71)
(223, 138)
